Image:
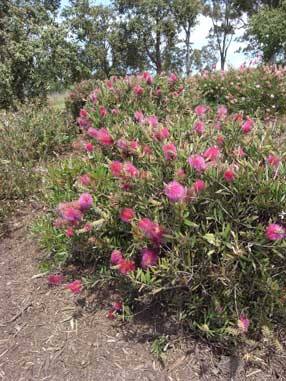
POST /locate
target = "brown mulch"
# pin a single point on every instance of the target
(46, 335)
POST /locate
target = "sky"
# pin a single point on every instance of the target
(199, 35)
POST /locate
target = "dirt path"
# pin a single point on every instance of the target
(45, 335)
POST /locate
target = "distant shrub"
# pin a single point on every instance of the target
(178, 204)
(260, 90)
(26, 137)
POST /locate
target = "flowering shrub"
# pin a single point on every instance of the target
(166, 210)
(259, 90)
(78, 96)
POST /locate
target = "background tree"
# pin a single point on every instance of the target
(185, 14)
(267, 33)
(226, 19)
(152, 26)
(33, 50)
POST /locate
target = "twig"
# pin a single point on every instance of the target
(17, 316)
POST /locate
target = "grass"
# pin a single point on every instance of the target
(28, 139)
(57, 100)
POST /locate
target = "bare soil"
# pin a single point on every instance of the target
(48, 334)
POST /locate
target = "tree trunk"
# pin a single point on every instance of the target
(158, 46)
(188, 51)
(222, 61)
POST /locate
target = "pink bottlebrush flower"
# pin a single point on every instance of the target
(172, 78)
(157, 92)
(130, 170)
(273, 160)
(85, 201)
(238, 152)
(117, 306)
(55, 279)
(111, 315)
(199, 127)
(148, 78)
(83, 113)
(229, 175)
(199, 185)
(181, 173)
(69, 232)
(116, 257)
(126, 187)
(165, 133)
(162, 134)
(93, 97)
(92, 132)
(133, 145)
(127, 215)
(138, 90)
(89, 147)
(219, 140)
(102, 111)
(109, 84)
(125, 266)
(103, 137)
(212, 153)
(217, 126)
(149, 258)
(170, 151)
(147, 150)
(175, 191)
(153, 121)
(84, 123)
(85, 180)
(247, 126)
(238, 117)
(116, 168)
(122, 144)
(222, 112)
(139, 116)
(275, 232)
(115, 111)
(243, 323)
(152, 230)
(71, 214)
(201, 110)
(87, 227)
(145, 224)
(76, 286)
(198, 163)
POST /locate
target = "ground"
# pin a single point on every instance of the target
(48, 334)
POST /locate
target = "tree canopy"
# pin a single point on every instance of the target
(44, 47)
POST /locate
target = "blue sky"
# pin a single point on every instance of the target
(199, 37)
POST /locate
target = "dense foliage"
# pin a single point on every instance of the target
(256, 91)
(27, 139)
(174, 202)
(268, 29)
(260, 91)
(34, 51)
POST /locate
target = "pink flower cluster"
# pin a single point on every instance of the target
(152, 231)
(124, 170)
(275, 232)
(72, 212)
(101, 135)
(124, 265)
(175, 191)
